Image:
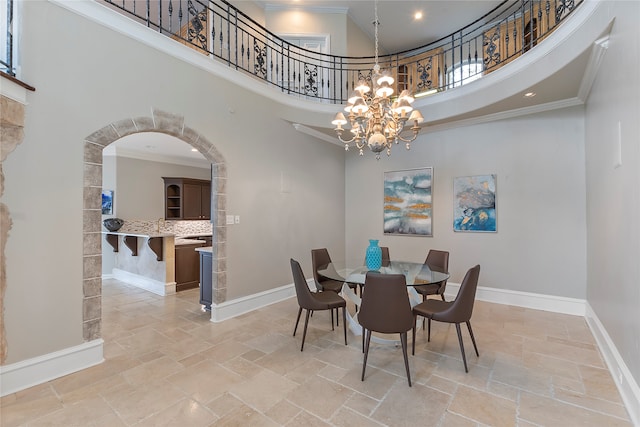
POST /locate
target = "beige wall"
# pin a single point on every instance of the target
(250, 8)
(346, 37)
(613, 202)
(139, 192)
(358, 42)
(302, 22)
(540, 245)
(44, 176)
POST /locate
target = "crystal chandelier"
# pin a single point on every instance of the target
(375, 118)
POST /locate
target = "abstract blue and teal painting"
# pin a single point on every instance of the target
(474, 199)
(407, 202)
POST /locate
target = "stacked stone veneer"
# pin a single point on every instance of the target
(169, 124)
(11, 135)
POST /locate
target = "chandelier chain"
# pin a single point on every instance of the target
(376, 23)
(376, 119)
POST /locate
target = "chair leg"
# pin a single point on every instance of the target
(337, 317)
(297, 320)
(413, 343)
(331, 319)
(403, 340)
(363, 334)
(464, 358)
(366, 352)
(429, 330)
(472, 338)
(344, 323)
(424, 298)
(304, 334)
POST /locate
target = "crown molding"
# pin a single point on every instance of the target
(315, 133)
(600, 47)
(518, 112)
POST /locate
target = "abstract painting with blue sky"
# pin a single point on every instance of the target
(474, 199)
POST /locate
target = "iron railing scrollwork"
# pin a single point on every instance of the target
(224, 33)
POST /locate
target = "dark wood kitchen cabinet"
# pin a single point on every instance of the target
(187, 198)
(187, 266)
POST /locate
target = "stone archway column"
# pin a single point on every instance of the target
(11, 135)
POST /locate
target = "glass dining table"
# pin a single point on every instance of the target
(415, 274)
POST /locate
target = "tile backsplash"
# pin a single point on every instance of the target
(181, 228)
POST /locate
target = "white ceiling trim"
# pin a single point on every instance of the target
(595, 60)
(539, 108)
(315, 133)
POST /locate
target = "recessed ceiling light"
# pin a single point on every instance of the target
(417, 15)
(194, 149)
(530, 94)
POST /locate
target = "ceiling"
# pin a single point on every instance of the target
(158, 147)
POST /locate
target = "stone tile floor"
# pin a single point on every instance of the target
(168, 365)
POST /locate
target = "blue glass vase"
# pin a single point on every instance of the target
(373, 257)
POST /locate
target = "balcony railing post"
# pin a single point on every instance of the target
(148, 13)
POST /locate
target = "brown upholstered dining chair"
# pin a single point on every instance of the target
(320, 258)
(315, 301)
(385, 308)
(385, 255)
(436, 261)
(456, 311)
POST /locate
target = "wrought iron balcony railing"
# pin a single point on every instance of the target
(219, 30)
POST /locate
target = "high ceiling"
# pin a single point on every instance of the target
(398, 29)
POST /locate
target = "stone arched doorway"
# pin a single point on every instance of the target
(162, 122)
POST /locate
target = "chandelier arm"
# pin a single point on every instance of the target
(346, 141)
(413, 138)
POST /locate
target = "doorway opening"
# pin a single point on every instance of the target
(160, 122)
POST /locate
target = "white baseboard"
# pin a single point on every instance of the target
(28, 373)
(155, 286)
(551, 303)
(236, 307)
(627, 386)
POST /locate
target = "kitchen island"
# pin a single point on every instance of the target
(156, 255)
(160, 262)
(145, 260)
